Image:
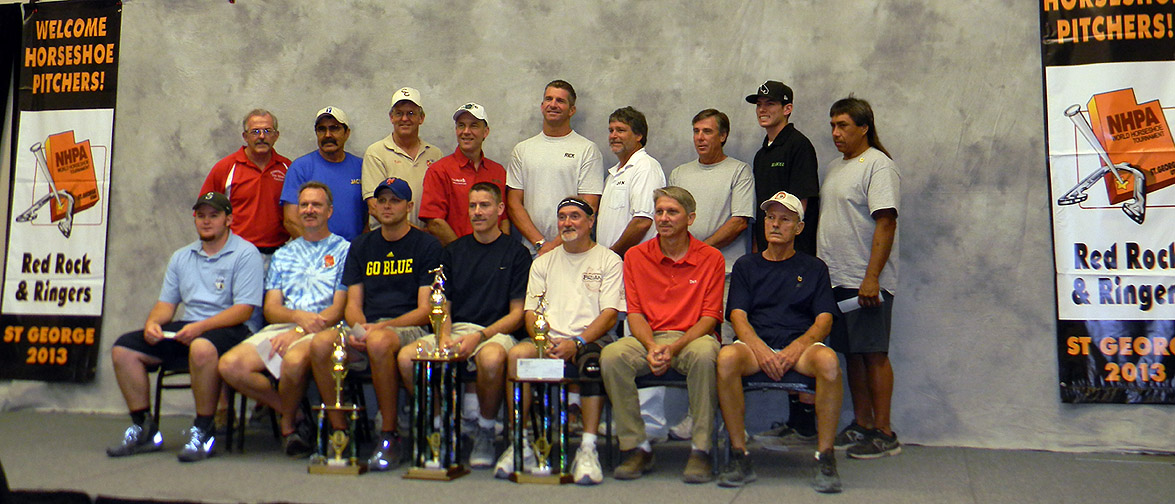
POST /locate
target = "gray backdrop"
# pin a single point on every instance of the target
(956, 90)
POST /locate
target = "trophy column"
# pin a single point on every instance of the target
(436, 448)
(337, 453)
(548, 411)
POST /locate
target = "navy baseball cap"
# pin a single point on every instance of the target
(399, 187)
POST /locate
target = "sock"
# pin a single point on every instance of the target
(485, 423)
(139, 417)
(801, 417)
(573, 399)
(588, 440)
(645, 446)
(203, 422)
(469, 406)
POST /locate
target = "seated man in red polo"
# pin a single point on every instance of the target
(781, 306)
(673, 286)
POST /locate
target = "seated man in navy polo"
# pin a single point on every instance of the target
(781, 306)
(218, 278)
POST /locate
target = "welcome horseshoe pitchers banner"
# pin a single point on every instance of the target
(55, 267)
(1109, 85)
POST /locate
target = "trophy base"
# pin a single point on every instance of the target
(530, 479)
(449, 474)
(342, 470)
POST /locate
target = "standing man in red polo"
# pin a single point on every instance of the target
(444, 204)
(252, 178)
(673, 286)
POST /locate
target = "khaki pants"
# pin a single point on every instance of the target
(623, 361)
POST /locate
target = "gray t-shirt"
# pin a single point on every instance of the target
(549, 169)
(723, 190)
(851, 190)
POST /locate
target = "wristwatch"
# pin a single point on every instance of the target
(539, 244)
(579, 342)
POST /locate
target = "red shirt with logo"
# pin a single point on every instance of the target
(255, 194)
(446, 189)
(674, 295)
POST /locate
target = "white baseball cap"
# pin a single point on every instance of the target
(334, 112)
(406, 93)
(788, 200)
(474, 109)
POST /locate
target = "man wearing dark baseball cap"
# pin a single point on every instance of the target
(219, 279)
(786, 162)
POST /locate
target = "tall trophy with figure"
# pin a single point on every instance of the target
(436, 444)
(547, 385)
(336, 454)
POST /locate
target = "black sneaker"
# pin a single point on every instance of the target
(199, 445)
(782, 437)
(876, 444)
(138, 439)
(852, 434)
(738, 471)
(826, 479)
(297, 444)
(387, 453)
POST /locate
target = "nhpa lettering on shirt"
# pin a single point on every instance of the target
(387, 268)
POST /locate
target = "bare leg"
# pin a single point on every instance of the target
(859, 390)
(291, 388)
(822, 363)
(202, 358)
(242, 369)
(130, 369)
(880, 380)
(382, 347)
(735, 362)
(491, 381)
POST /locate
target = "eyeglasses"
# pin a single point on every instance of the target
(334, 128)
(411, 114)
(259, 131)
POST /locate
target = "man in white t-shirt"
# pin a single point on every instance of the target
(583, 285)
(549, 166)
(626, 207)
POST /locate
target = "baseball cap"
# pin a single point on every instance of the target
(215, 200)
(788, 200)
(474, 109)
(399, 187)
(774, 90)
(406, 93)
(334, 112)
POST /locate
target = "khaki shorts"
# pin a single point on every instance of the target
(459, 328)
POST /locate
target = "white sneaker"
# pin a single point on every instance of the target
(585, 470)
(505, 466)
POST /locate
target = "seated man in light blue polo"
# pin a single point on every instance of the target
(218, 279)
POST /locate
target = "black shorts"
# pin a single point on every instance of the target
(864, 330)
(175, 354)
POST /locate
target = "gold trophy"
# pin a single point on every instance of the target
(548, 412)
(338, 454)
(436, 452)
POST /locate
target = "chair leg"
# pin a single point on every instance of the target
(241, 424)
(158, 394)
(230, 415)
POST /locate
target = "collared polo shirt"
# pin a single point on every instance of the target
(208, 285)
(628, 193)
(674, 295)
(446, 189)
(385, 159)
(255, 194)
